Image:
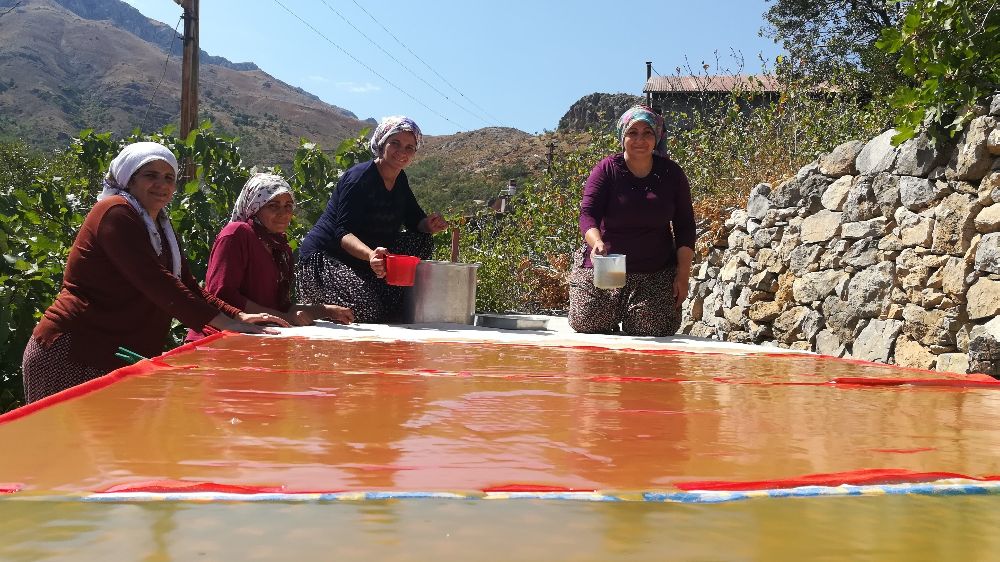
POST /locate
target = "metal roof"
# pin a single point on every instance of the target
(721, 83)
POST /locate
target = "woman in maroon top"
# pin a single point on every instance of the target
(251, 265)
(637, 203)
(125, 278)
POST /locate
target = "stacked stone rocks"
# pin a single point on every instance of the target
(889, 254)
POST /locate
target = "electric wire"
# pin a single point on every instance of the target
(370, 69)
(390, 55)
(445, 80)
(159, 82)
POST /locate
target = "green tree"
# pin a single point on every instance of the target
(835, 39)
(951, 51)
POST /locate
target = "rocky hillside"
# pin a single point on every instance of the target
(597, 111)
(65, 65)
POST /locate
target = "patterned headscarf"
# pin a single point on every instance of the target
(123, 167)
(390, 126)
(258, 190)
(653, 119)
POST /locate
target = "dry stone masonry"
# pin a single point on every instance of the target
(876, 252)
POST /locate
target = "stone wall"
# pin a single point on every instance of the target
(889, 254)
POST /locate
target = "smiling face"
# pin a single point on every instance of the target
(639, 140)
(399, 150)
(153, 186)
(276, 214)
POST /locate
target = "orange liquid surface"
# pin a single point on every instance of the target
(310, 415)
(320, 415)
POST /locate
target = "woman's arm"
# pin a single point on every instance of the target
(375, 258)
(682, 277)
(593, 205)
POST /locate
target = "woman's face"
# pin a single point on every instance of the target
(153, 186)
(276, 214)
(639, 140)
(399, 149)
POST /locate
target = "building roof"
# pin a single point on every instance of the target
(721, 83)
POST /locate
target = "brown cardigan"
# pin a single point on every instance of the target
(117, 292)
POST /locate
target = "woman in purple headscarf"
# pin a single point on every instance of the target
(636, 203)
(342, 258)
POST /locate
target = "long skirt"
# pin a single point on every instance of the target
(323, 279)
(50, 370)
(645, 306)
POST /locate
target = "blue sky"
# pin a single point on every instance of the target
(514, 63)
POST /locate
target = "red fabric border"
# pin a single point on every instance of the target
(169, 486)
(140, 368)
(532, 488)
(960, 383)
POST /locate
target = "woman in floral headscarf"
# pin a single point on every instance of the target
(636, 203)
(125, 278)
(342, 259)
(251, 263)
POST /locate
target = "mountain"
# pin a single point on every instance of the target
(65, 65)
(597, 111)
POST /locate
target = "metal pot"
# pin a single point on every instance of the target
(442, 292)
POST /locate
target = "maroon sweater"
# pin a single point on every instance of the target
(117, 292)
(646, 219)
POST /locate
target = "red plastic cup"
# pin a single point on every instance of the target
(400, 270)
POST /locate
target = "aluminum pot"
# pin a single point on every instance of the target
(442, 291)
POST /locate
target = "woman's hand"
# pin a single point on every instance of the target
(680, 289)
(227, 324)
(338, 314)
(593, 239)
(685, 257)
(377, 261)
(301, 318)
(263, 318)
(432, 223)
(599, 249)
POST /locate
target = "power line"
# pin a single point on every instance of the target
(445, 80)
(163, 74)
(390, 55)
(370, 69)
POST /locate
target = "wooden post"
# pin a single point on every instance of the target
(454, 243)
(189, 80)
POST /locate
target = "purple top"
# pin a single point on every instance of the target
(639, 217)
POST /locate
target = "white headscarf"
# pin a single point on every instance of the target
(258, 190)
(123, 167)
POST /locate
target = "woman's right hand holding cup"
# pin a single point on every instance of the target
(377, 261)
(599, 249)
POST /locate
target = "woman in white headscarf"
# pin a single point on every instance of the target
(125, 279)
(342, 259)
(251, 265)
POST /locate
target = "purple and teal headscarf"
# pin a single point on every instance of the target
(652, 118)
(390, 126)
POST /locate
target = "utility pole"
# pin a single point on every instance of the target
(189, 77)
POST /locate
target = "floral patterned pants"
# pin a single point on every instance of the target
(645, 306)
(323, 279)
